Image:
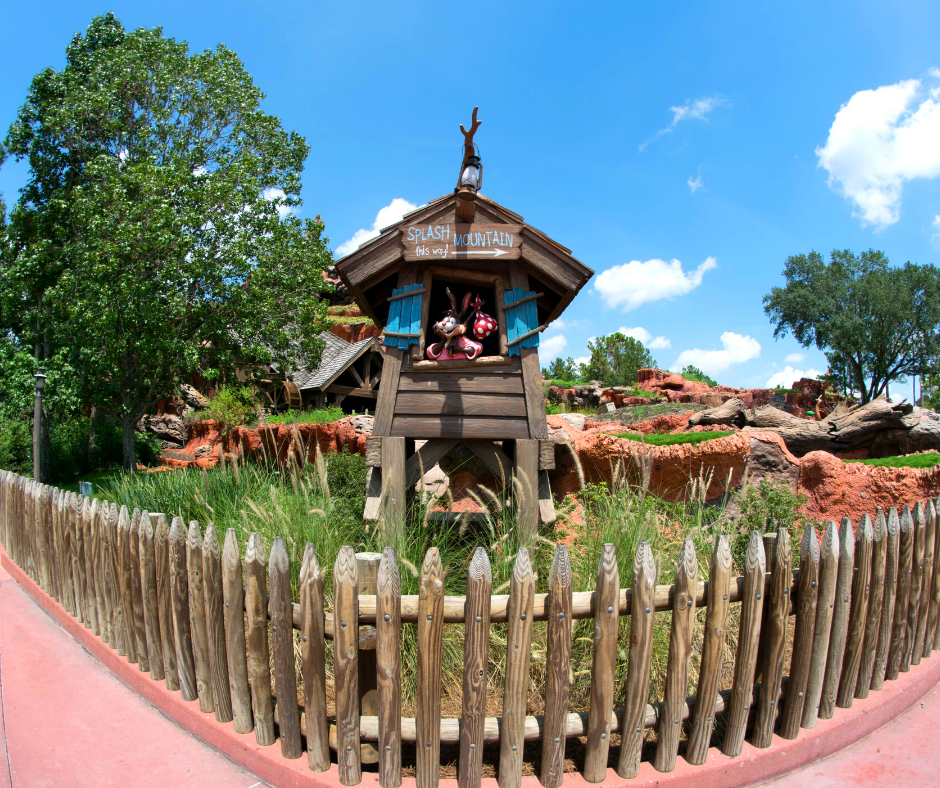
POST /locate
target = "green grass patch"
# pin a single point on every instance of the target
(325, 415)
(672, 440)
(927, 460)
(97, 479)
(351, 319)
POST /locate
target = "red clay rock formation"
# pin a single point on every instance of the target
(834, 489)
(208, 439)
(354, 332)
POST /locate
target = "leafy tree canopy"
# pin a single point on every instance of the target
(875, 323)
(616, 359)
(156, 235)
(567, 369)
(691, 372)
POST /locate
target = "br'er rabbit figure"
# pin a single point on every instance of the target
(455, 333)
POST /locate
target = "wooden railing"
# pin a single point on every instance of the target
(192, 613)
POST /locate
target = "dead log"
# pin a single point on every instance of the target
(729, 412)
(860, 427)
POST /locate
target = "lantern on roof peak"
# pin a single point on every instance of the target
(470, 179)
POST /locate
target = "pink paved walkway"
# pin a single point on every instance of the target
(65, 721)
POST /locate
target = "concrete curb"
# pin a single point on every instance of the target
(751, 767)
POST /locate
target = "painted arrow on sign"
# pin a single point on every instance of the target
(494, 252)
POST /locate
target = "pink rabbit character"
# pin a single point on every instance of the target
(454, 333)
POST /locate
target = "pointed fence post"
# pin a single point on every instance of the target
(313, 661)
(476, 657)
(825, 601)
(388, 667)
(520, 614)
(604, 665)
(775, 637)
(840, 621)
(905, 571)
(886, 625)
(233, 594)
(256, 636)
(745, 664)
(346, 667)
(642, 615)
(215, 625)
(876, 595)
(806, 597)
(680, 652)
(282, 650)
(716, 622)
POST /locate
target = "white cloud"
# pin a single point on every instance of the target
(693, 109)
(736, 348)
(642, 335)
(936, 226)
(561, 323)
(633, 284)
(788, 375)
(390, 214)
(794, 358)
(552, 347)
(879, 140)
(272, 194)
(582, 360)
(695, 183)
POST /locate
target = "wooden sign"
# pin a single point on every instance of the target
(450, 241)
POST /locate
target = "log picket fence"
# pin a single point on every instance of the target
(187, 609)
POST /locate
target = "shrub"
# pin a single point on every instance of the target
(325, 415)
(766, 507)
(16, 447)
(232, 405)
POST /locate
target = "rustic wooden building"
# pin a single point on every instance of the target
(348, 373)
(477, 388)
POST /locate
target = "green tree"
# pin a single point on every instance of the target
(559, 369)
(616, 359)
(692, 372)
(878, 322)
(156, 235)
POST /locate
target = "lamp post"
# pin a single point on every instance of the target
(40, 377)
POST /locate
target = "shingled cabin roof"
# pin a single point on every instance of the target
(337, 355)
(369, 271)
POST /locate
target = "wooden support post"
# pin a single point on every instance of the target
(182, 634)
(367, 571)
(393, 489)
(525, 487)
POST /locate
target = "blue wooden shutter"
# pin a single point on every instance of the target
(403, 327)
(520, 320)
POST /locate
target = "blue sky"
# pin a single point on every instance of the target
(681, 150)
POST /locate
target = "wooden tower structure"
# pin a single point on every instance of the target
(463, 287)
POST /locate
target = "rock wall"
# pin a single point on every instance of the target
(834, 489)
(209, 439)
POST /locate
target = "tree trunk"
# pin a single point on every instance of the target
(91, 438)
(128, 433)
